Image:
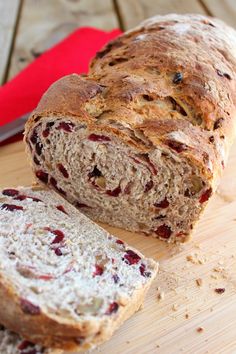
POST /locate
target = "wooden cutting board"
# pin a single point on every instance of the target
(182, 313)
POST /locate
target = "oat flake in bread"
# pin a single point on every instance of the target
(68, 282)
(140, 143)
(12, 343)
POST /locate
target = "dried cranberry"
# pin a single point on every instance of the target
(34, 137)
(148, 186)
(131, 257)
(63, 171)
(61, 208)
(10, 192)
(67, 127)
(143, 272)
(115, 192)
(116, 278)
(38, 148)
(113, 308)
(164, 231)
(25, 345)
(176, 145)
(82, 205)
(58, 252)
(98, 270)
(46, 132)
(152, 168)
(42, 176)
(36, 161)
(95, 137)
(11, 207)
(59, 236)
(54, 184)
(119, 242)
(23, 197)
(29, 308)
(205, 196)
(163, 204)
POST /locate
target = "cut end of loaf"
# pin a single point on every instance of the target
(158, 191)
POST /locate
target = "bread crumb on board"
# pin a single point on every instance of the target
(196, 258)
(199, 282)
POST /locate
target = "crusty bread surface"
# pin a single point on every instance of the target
(141, 142)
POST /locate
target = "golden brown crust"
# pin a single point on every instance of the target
(41, 328)
(173, 73)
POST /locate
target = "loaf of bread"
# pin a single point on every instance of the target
(140, 143)
(64, 282)
(12, 343)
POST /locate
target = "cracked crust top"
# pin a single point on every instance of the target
(170, 82)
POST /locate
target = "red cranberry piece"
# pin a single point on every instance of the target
(67, 127)
(63, 171)
(46, 277)
(23, 197)
(116, 278)
(29, 308)
(46, 132)
(98, 270)
(11, 207)
(38, 148)
(42, 176)
(113, 308)
(143, 271)
(152, 168)
(163, 204)
(34, 137)
(176, 145)
(58, 252)
(59, 236)
(54, 184)
(131, 257)
(25, 345)
(82, 205)
(61, 208)
(119, 242)
(36, 161)
(115, 192)
(148, 186)
(95, 137)
(164, 231)
(205, 196)
(10, 192)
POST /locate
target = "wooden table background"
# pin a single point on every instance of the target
(170, 325)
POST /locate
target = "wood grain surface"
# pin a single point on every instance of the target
(133, 12)
(44, 23)
(183, 313)
(8, 18)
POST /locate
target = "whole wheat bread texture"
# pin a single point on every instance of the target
(64, 282)
(141, 142)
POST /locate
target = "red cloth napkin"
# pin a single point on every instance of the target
(72, 55)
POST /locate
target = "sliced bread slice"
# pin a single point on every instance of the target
(12, 343)
(68, 282)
